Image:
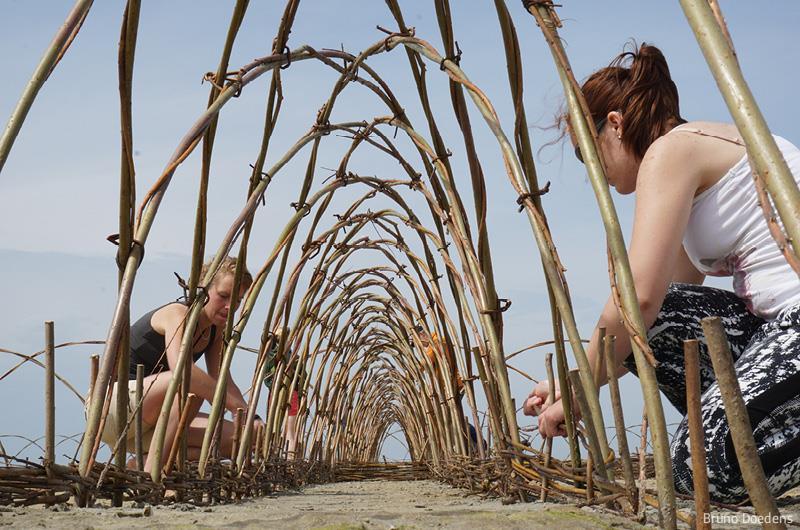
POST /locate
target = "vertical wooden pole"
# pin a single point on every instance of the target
(121, 413)
(94, 366)
(739, 422)
(619, 419)
(186, 385)
(551, 380)
(137, 426)
(591, 433)
(181, 433)
(643, 469)
(589, 478)
(691, 356)
(257, 445)
(237, 427)
(50, 395)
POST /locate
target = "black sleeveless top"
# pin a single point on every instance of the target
(148, 347)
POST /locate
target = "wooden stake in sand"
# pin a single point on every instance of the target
(94, 366)
(619, 420)
(237, 429)
(137, 425)
(50, 395)
(181, 433)
(739, 422)
(702, 506)
(591, 433)
(551, 380)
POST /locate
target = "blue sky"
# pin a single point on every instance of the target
(58, 189)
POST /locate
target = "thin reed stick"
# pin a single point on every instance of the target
(591, 434)
(589, 478)
(94, 365)
(183, 423)
(551, 380)
(50, 394)
(691, 356)
(237, 430)
(186, 385)
(619, 420)
(138, 427)
(642, 515)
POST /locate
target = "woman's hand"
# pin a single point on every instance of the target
(233, 402)
(536, 403)
(551, 421)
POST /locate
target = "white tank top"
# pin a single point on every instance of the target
(727, 235)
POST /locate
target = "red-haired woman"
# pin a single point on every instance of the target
(697, 213)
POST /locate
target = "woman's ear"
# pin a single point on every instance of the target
(614, 119)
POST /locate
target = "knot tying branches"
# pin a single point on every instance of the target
(211, 77)
(301, 206)
(259, 176)
(409, 32)
(324, 128)
(455, 59)
(236, 336)
(547, 4)
(114, 240)
(237, 81)
(313, 246)
(351, 70)
(185, 286)
(288, 54)
(345, 176)
(538, 193)
(447, 154)
(416, 181)
(503, 304)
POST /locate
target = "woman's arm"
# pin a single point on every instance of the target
(667, 180)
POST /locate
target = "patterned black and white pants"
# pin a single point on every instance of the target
(767, 362)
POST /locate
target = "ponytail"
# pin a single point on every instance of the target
(639, 85)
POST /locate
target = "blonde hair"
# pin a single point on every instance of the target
(228, 266)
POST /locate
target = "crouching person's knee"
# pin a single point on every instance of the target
(725, 482)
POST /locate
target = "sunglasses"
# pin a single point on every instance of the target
(598, 126)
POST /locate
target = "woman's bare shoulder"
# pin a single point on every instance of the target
(695, 148)
(169, 316)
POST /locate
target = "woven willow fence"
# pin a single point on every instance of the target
(352, 347)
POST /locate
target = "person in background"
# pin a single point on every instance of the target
(290, 423)
(155, 341)
(431, 343)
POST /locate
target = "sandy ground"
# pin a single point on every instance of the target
(359, 505)
(343, 505)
